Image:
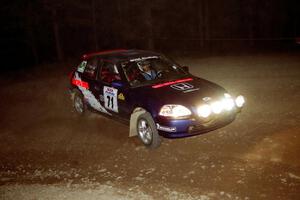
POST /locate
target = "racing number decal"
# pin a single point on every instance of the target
(110, 101)
(110, 98)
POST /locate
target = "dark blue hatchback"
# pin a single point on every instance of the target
(153, 94)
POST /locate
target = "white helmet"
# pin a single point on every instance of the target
(141, 64)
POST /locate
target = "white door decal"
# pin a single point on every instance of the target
(110, 98)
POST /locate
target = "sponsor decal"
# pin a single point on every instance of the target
(143, 58)
(166, 128)
(121, 96)
(171, 83)
(81, 66)
(191, 90)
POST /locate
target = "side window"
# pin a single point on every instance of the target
(132, 71)
(109, 72)
(90, 70)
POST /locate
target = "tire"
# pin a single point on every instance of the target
(78, 103)
(147, 131)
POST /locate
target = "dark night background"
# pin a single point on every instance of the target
(43, 31)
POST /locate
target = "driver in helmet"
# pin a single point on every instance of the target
(146, 71)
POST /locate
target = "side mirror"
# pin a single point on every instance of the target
(117, 84)
(186, 69)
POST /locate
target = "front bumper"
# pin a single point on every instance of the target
(177, 128)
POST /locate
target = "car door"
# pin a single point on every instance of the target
(91, 93)
(114, 90)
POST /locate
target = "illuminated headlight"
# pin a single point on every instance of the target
(174, 111)
(239, 101)
(204, 110)
(217, 107)
(226, 95)
(227, 102)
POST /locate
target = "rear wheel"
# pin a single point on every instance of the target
(147, 131)
(78, 103)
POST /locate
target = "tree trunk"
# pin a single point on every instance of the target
(94, 19)
(149, 23)
(251, 20)
(120, 26)
(59, 51)
(201, 27)
(30, 33)
(206, 26)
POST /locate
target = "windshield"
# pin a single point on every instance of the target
(151, 70)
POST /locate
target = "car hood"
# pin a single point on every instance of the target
(188, 92)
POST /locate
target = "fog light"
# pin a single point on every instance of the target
(228, 104)
(217, 107)
(204, 111)
(239, 101)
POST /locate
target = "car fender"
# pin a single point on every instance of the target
(133, 120)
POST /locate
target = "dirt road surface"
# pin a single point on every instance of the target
(47, 152)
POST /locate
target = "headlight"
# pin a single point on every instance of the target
(204, 110)
(226, 95)
(174, 111)
(227, 102)
(239, 101)
(217, 107)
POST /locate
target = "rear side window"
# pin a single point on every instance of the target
(109, 72)
(90, 70)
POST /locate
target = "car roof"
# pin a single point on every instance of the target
(118, 55)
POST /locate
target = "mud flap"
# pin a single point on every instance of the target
(133, 120)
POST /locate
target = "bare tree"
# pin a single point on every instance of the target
(250, 17)
(30, 23)
(201, 20)
(58, 45)
(206, 20)
(149, 24)
(53, 6)
(94, 19)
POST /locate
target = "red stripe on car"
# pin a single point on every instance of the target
(171, 82)
(80, 83)
(88, 55)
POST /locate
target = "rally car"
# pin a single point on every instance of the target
(150, 92)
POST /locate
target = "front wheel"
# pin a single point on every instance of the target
(147, 131)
